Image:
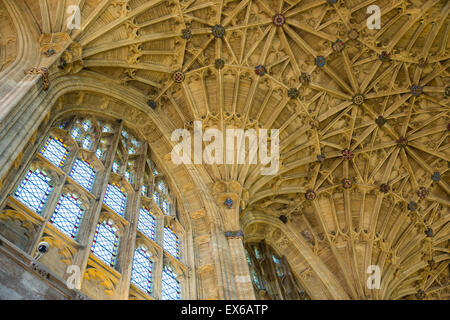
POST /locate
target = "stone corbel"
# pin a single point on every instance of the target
(42, 71)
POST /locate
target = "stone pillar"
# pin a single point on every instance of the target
(229, 201)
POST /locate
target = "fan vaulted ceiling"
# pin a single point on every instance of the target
(363, 115)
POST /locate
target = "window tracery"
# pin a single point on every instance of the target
(88, 179)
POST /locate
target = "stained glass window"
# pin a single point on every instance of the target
(87, 143)
(68, 214)
(115, 198)
(141, 274)
(125, 134)
(55, 151)
(76, 133)
(277, 266)
(162, 186)
(170, 286)
(129, 176)
(107, 128)
(83, 173)
(34, 190)
(99, 153)
(116, 166)
(171, 242)
(63, 125)
(144, 190)
(156, 197)
(87, 125)
(105, 243)
(147, 222)
(165, 206)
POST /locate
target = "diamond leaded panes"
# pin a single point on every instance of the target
(34, 190)
(83, 173)
(165, 206)
(171, 242)
(68, 214)
(76, 133)
(170, 286)
(105, 243)
(55, 151)
(115, 198)
(147, 222)
(141, 274)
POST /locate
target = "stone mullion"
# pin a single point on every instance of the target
(129, 241)
(89, 226)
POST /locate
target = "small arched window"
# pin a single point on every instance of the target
(171, 242)
(83, 173)
(170, 286)
(141, 274)
(34, 190)
(147, 222)
(115, 198)
(106, 243)
(55, 151)
(68, 214)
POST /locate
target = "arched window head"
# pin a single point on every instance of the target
(106, 243)
(68, 214)
(170, 286)
(55, 151)
(171, 242)
(147, 222)
(83, 173)
(34, 190)
(141, 274)
(115, 198)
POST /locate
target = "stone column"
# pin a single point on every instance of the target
(228, 197)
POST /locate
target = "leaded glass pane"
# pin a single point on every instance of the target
(68, 214)
(55, 151)
(75, 133)
(170, 286)
(144, 190)
(115, 198)
(165, 206)
(83, 173)
(147, 223)
(156, 197)
(162, 187)
(99, 154)
(141, 274)
(116, 166)
(87, 125)
(87, 142)
(171, 242)
(34, 190)
(107, 128)
(129, 176)
(105, 243)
